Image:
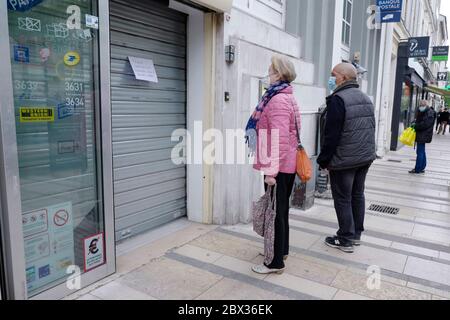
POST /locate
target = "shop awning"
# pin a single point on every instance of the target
(439, 91)
(216, 5)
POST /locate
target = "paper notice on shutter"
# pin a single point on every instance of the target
(144, 69)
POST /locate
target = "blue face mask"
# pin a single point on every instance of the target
(332, 83)
(423, 109)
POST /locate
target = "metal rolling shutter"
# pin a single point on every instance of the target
(149, 189)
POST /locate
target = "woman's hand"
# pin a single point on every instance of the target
(270, 181)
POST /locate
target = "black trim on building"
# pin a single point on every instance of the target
(403, 74)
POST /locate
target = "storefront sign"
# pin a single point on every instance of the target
(440, 53)
(94, 252)
(419, 47)
(22, 5)
(442, 76)
(143, 69)
(389, 11)
(37, 114)
(49, 244)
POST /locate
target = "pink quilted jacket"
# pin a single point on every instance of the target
(277, 124)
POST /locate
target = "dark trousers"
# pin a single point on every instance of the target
(348, 187)
(443, 127)
(285, 184)
(421, 162)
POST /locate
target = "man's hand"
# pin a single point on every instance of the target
(270, 181)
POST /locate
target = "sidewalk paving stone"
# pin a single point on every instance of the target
(227, 245)
(302, 285)
(167, 279)
(229, 289)
(428, 270)
(357, 284)
(118, 291)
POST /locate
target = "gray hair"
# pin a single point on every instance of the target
(284, 67)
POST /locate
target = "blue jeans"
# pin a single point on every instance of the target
(421, 162)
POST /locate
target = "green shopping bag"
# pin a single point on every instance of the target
(408, 137)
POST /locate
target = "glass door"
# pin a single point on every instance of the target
(66, 211)
(405, 105)
(414, 105)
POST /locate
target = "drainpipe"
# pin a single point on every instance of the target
(384, 86)
(379, 94)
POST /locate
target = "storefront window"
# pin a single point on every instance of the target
(404, 110)
(54, 57)
(414, 105)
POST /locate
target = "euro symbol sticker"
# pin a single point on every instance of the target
(93, 247)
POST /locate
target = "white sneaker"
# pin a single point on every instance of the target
(262, 269)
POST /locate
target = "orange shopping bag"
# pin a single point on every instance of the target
(304, 165)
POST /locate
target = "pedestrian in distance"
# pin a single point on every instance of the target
(444, 118)
(347, 152)
(438, 118)
(424, 126)
(277, 115)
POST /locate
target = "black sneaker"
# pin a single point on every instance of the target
(415, 172)
(335, 242)
(356, 243)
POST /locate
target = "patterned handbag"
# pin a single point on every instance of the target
(264, 213)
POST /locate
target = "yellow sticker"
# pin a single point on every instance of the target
(37, 114)
(72, 58)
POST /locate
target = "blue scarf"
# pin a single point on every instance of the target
(250, 131)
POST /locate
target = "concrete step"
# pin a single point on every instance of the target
(433, 170)
(391, 178)
(411, 201)
(408, 189)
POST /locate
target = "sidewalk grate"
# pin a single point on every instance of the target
(384, 209)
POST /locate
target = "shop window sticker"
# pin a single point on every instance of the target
(94, 252)
(21, 54)
(91, 21)
(29, 24)
(22, 5)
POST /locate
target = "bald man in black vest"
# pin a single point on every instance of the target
(348, 150)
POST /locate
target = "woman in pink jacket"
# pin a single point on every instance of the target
(272, 138)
